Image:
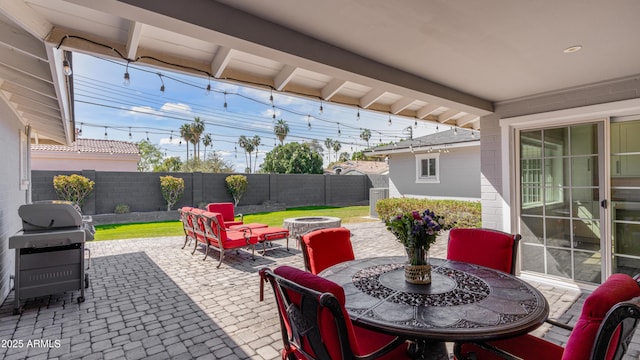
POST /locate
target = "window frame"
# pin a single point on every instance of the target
(434, 179)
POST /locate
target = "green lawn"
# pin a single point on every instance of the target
(348, 214)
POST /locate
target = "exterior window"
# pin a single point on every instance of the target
(427, 168)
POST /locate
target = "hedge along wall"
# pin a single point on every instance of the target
(141, 190)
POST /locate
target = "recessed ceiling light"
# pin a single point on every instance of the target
(572, 49)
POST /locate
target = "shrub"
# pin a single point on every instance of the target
(74, 188)
(122, 209)
(172, 189)
(237, 186)
(466, 214)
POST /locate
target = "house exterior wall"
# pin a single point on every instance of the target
(69, 161)
(11, 197)
(459, 175)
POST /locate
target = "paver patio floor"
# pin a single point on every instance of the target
(150, 299)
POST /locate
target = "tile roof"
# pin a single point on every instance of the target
(91, 146)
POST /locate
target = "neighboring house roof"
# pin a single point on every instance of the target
(91, 146)
(84, 154)
(360, 167)
(446, 139)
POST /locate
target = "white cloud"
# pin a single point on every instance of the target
(137, 110)
(179, 108)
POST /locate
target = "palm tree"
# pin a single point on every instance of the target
(197, 128)
(336, 147)
(281, 129)
(365, 135)
(185, 133)
(247, 145)
(328, 143)
(206, 141)
(255, 142)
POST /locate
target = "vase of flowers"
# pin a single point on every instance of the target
(417, 231)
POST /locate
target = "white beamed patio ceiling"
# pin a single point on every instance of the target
(440, 61)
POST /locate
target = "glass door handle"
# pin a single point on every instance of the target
(603, 203)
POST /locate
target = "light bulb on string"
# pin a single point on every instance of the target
(339, 132)
(235, 149)
(389, 122)
(455, 131)
(273, 111)
(321, 108)
(162, 81)
(171, 136)
(225, 100)
(105, 133)
(66, 66)
(437, 128)
(127, 79)
(147, 136)
(129, 132)
(358, 115)
(416, 124)
(80, 131)
(309, 121)
(208, 90)
(271, 96)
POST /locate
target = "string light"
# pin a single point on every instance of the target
(66, 67)
(208, 90)
(271, 96)
(309, 121)
(80, 131)
(389, 120)
(416, 124)
(105, 133)
(455, 131)
(225, 100)
(321, 108)
(339, 132)
(127, 79)
(147, 136)
(129, 132)
(358, 115)
(162, 81)
(171, 136)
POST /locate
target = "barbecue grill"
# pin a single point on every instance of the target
(50, 250)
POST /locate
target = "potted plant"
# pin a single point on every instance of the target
(417, 232)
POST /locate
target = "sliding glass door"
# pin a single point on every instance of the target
(560, 209)
(625, 195)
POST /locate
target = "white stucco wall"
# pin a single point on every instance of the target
(11, 197)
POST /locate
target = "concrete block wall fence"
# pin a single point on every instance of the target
(141, 190)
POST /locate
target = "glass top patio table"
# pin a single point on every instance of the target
(463, 302)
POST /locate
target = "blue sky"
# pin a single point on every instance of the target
(103, 104)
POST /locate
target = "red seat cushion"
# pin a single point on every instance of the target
(485, 247)
(270, 233)
(327, 247)
(617, 288)
(363, 341)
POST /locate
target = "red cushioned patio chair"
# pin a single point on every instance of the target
(486, 247)
(603, 331)
(220, 238)
(323, 248)
(315, 323)
(227, 209)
